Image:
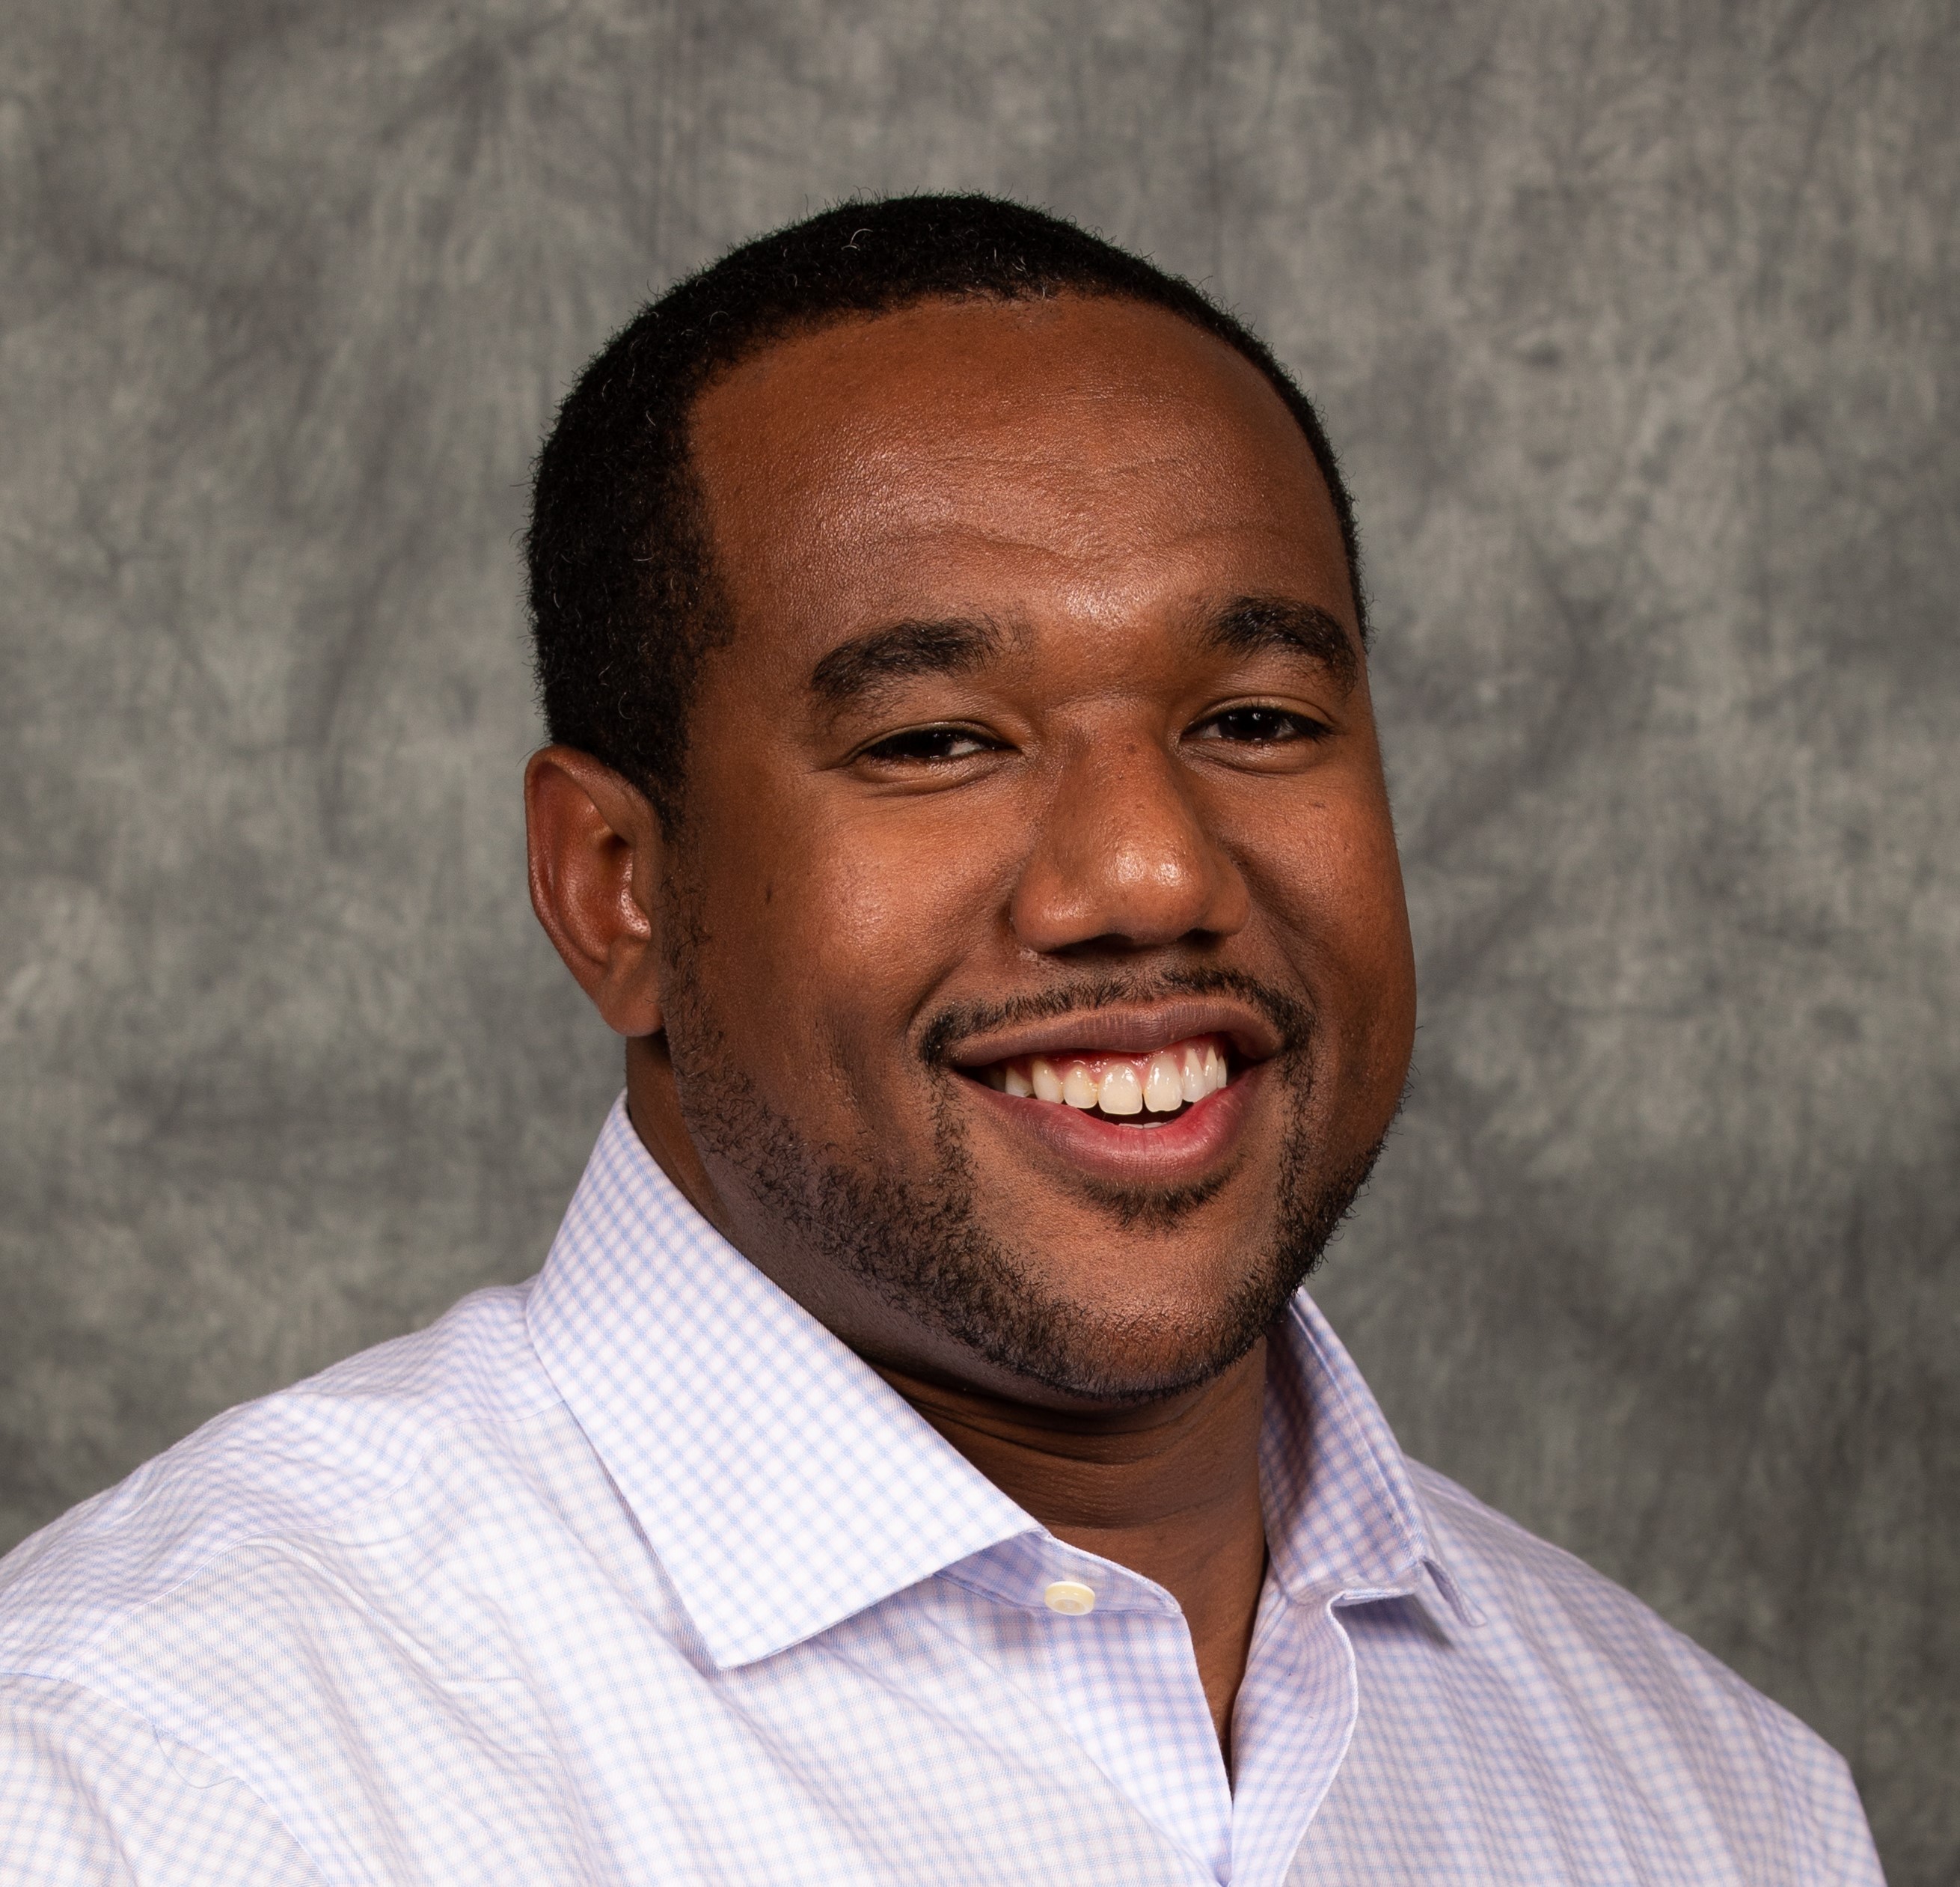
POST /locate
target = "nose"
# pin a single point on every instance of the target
(1123, 856)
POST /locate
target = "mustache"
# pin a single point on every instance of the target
(1291, 1018)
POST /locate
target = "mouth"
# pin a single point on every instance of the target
(1145, 1090)
(1157, 1094)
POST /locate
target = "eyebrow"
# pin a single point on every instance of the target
(957, 645)
(1252, 625)
(900, 651)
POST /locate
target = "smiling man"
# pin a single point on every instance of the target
(916, 1461)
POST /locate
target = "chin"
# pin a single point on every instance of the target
(1122, 1292)
(1094, 1345)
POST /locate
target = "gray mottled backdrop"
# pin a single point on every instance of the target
(1638, 325)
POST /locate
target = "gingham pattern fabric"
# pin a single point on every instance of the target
(635, 1575)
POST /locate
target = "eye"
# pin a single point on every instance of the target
(1256, 724)
(928, 745)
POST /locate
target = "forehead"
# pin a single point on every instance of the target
(1020, 458)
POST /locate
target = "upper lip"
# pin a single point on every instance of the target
(1137, 1029)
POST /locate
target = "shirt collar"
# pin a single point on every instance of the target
(1341, 1512)
(784, 1486)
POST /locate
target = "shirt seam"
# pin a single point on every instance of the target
(109, 1700)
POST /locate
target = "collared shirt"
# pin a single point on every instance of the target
(635, 1574)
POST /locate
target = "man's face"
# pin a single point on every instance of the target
(1036, 974)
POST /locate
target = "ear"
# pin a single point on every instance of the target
(597, 856)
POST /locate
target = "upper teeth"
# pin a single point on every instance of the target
(1118, 1084)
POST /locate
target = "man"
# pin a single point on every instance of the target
(915, 1462)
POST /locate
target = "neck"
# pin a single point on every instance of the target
(1170, 1490)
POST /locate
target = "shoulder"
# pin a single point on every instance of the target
(1586, 1667)
(357, 1602)
(344, 1451)
(1539, 1594)
(1554, 1613)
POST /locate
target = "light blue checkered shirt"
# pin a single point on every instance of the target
(635, 1574)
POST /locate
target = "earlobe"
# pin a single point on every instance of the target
(597, 855)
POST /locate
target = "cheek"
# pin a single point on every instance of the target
(826, 936)
(1337, 895)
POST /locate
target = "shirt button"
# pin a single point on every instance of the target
(1070, 1597)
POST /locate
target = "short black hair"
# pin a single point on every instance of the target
(624, 601)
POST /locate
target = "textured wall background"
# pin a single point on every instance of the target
(1638, 326)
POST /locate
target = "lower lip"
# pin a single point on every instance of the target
(1179, 1153)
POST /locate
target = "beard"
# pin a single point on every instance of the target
(916, 1240)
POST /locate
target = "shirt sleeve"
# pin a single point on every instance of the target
(93, 1795)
